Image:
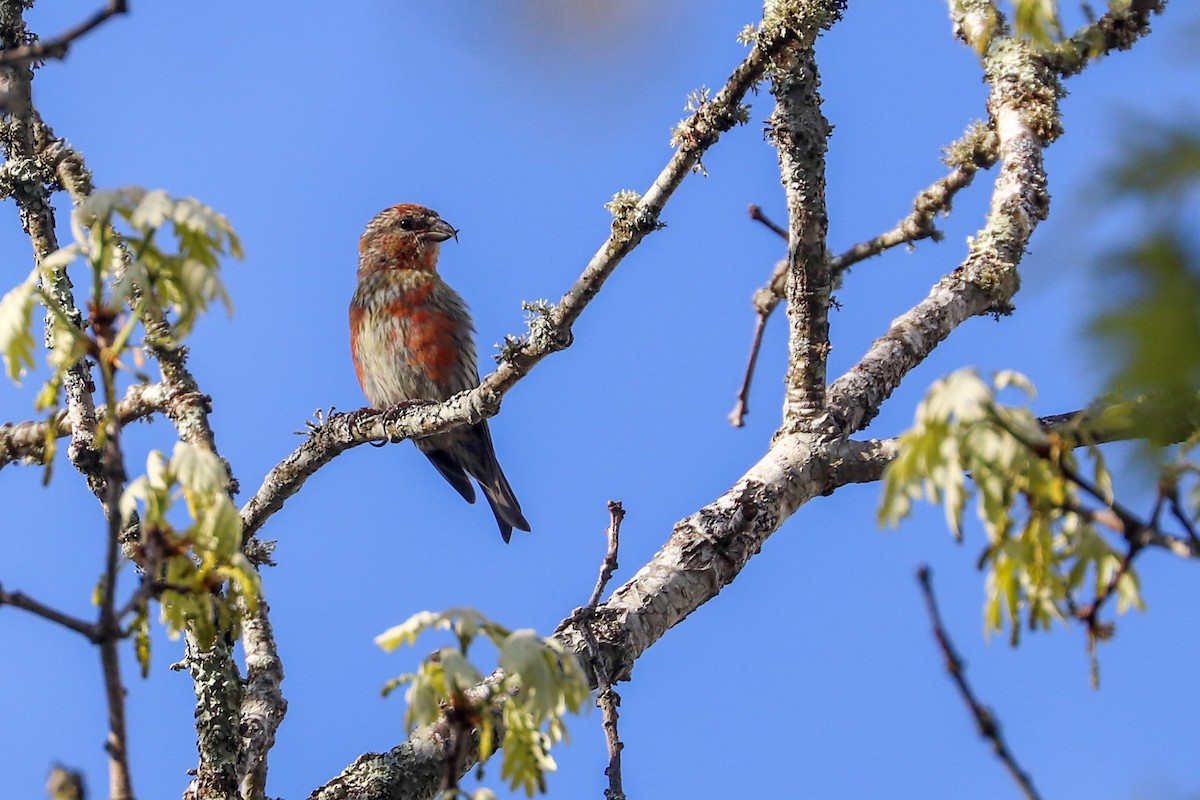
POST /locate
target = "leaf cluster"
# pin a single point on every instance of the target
(1044, 548)
(541, 682)
(145, 251)
(204, 579)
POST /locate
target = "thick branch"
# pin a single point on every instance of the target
(1023, 107)
(799, 131)
(263, 705)
(218, 702)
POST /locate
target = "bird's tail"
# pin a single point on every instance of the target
(503, 502)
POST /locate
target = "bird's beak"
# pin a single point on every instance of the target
(441, 231)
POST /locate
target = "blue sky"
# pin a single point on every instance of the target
(814, 674)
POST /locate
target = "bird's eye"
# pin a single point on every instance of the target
(406, 224)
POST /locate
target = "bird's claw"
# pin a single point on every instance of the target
(320, 419)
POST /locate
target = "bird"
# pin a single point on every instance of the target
(412, 339)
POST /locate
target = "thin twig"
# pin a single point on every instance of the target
(25, 602)
(989, 727)
(607, 698)
(120, 780)
(1178, 513)
(58, 46)
(756, 214)
(765, 300)
(617, 514)
(741, 408)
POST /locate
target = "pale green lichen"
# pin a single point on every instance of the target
(975, 149)
(624, 207)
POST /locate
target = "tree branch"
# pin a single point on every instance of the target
(263, 705)
(975, 150)
(28, 187)
(1116, 30)
(707, 550)
(58, 46)
(214, 671)
(1023, 105)
(989, 727)
(26, 441)
(799, 132)
(120, 780)
(26, 603)
(607, 699)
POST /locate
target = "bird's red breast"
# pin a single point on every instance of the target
(431, 337)
(410, 338)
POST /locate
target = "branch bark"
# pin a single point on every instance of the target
(799, 132)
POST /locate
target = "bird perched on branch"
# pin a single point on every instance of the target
(412, 339)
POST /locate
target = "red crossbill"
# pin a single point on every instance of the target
(412, 339)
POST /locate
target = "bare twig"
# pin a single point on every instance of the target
(765, 300)
(756, 214)
(607, 699)
(741, 408)
(989, 727)
(617, 514)
(59, 45)
(120, 781)
(26, 603)
(1182, 518)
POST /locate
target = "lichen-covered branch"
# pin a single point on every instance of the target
(218, 704)
(27, 177)
(1116, 30)
(416, 767)
(1023, 106)
(26, 441)
(263, 705)
(974, 151)
(799, 131)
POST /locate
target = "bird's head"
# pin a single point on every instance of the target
(405, 236)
